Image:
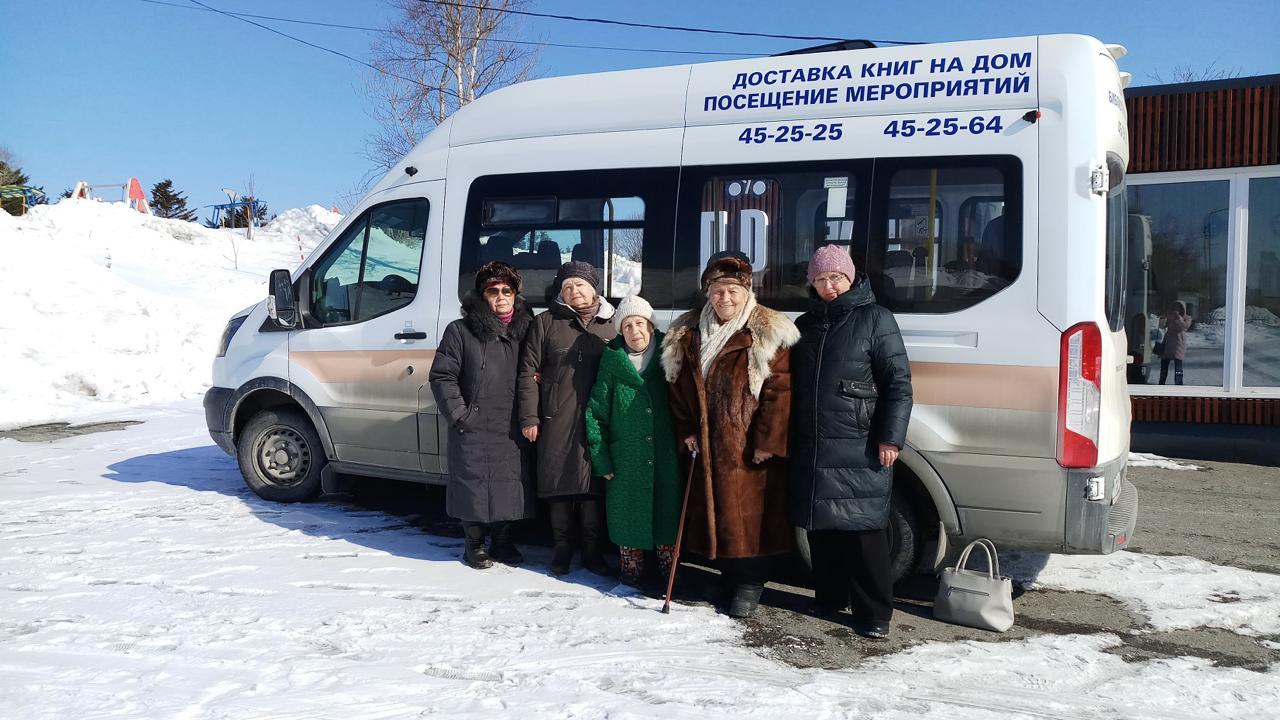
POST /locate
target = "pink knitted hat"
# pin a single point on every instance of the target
(831, 258)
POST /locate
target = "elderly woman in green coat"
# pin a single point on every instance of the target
(632, 442)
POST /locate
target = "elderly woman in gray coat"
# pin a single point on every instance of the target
(473, 379)
(557, 370)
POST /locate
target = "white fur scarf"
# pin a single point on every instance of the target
(715, 334)
(770, 331)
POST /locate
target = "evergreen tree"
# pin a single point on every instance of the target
(10, 175)
(169, 203)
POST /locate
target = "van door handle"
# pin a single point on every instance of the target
(411, 336)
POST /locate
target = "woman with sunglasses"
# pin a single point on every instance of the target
(473, 379)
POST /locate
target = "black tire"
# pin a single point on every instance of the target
(904, 539)
(281, 456)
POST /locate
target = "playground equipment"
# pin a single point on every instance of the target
(232, 209)
(16, 199)
(131, 193)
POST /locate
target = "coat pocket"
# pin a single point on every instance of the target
(863, 396)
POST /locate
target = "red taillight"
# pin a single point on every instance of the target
(1079, 396)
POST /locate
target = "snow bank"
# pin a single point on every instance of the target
(1137, 459)
(1178, 592)
(107, 307)
(311, 221)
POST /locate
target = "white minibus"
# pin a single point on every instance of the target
(980, 185)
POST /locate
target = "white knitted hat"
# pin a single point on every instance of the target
(632, 305)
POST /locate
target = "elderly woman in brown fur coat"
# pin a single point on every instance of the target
(728, 365)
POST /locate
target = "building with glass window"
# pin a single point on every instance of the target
(1203, 295)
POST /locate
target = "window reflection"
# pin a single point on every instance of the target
(1182, 309)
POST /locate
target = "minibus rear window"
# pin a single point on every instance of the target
(1117, 244)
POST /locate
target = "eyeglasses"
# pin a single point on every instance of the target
(502, 290)
(833, 280)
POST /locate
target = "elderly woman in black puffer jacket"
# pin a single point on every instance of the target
(850, 404)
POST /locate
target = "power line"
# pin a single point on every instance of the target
(308, 44)
(650, 26)
(317, 23)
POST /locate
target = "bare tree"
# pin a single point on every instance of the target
(434, 58)
(1185, 74)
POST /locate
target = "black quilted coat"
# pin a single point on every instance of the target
(850, 391)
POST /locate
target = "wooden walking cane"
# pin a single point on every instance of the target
(675, 552)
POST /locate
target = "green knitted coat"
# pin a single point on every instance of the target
(630, 435)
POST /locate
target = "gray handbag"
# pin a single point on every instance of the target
(971, 597)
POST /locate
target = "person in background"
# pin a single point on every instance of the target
(633, 446)
(850, 404)
(557, 370)
(728, 364)
(1175, 323)
(473, 379)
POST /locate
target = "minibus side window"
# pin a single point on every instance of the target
(372, 269)
(946, 233)
(619, 221)
(777, 215)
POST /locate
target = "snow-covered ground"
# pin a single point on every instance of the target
(139, 578)
(105, 307)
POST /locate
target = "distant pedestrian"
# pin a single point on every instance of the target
(473, 379)
(1175, 323)
(633, 445)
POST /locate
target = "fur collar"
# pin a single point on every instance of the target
(770, 331)
(482, 323)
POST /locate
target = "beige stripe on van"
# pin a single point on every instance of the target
(354, 366)
(1003, 387)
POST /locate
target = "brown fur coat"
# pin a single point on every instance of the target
(737, 509)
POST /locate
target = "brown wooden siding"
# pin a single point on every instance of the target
(1213, 410)
(1198, 126)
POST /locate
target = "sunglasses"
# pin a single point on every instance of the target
(504, 290)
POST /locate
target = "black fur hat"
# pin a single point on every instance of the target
(497, 271)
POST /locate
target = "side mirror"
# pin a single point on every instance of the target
(282, 307)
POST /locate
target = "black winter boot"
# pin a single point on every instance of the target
(746, 597)
(592, 520)
(500, 546)
(473, 552)
(562, 535)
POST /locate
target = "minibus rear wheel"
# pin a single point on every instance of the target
(904, 539)
(281, 456)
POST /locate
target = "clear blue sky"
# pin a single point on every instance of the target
(103, 90)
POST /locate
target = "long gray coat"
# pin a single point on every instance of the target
(557, 370)
(850, 391)
(473, 379)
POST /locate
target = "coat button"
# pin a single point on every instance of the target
(648, 411)
(648, 438)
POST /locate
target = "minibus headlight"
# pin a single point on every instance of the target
(228, 332)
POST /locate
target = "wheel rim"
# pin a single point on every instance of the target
(283, 456)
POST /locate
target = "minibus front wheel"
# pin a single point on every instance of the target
(280, 455)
